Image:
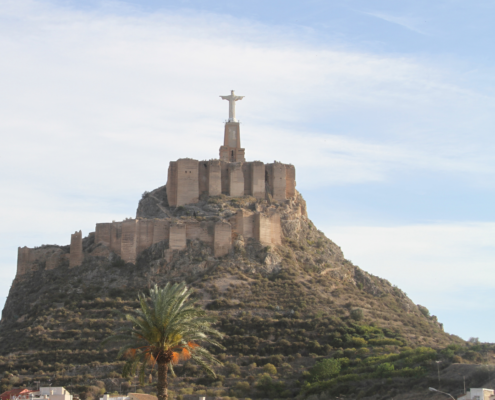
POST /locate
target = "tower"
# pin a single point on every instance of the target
(231, 150)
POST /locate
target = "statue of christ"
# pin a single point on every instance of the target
(232, 99)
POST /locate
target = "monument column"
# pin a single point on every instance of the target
(231, 150)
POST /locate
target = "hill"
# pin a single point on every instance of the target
(283, 308)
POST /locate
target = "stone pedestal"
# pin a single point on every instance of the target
(231, 150)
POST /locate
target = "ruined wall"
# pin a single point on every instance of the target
(275, 229)
(214, 178)
(203, 177)
(128, 241)
(116, 238)
(236, 180)
(177, 239)
(45, 257)
(223, 239)
(187, 181)
(290, 181)
(279, 181)
(172, 184)
(24, 260)
(224, 171)
(247, 174)
(199, 231)
(243, 224)
(144, 234)
(161, 230)
(76, 251)
(262, 229)
(257, 180)
(103, 233)
(54, 259)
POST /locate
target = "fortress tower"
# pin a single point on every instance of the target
(231, 175)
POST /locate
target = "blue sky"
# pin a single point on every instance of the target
(384, 107)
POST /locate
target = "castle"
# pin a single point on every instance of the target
(189, 181)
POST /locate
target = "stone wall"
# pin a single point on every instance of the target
(103, 233)
(177, 239)
(45, 257)
(243, 224)
(116, 238)
(236, 180)
(144, 234)
(76, 250)
(172, 184)
(258, 180)
(55, 259)
(223, 239)
(203, 177)
(247, 178)
(128, 241)
(25, 260)
(130, 237)
(290, 185)
(214, 178)
(199, 231)
(275, 229)
(262, 229)
(161, 230)
(279, 181)
(188, 179)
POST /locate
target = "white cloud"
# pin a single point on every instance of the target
(444, 265)
(408, 22)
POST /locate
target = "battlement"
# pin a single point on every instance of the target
(44, 257)
(189, 180)
(129, 238)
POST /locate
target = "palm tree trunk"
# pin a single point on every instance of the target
(162, 384)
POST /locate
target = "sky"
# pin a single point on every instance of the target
(386, 109)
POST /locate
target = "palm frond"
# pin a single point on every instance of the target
(166, 322)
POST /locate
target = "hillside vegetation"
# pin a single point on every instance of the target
(299, 319)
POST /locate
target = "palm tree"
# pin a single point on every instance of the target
(165, 329)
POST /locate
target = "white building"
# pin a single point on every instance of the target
(478, 394)
(51, 393)
(107, 396)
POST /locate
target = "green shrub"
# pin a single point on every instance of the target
(325, 369)
(384, 369)
(270, 369)
(357, 342)
(357, 314)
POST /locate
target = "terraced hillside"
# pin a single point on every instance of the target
(285, 311)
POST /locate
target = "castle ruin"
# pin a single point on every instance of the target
(189, 181)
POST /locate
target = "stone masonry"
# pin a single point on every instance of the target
(189, 181)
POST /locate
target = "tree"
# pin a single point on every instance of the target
(165, 329)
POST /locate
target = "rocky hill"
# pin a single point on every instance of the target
(283, 309)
